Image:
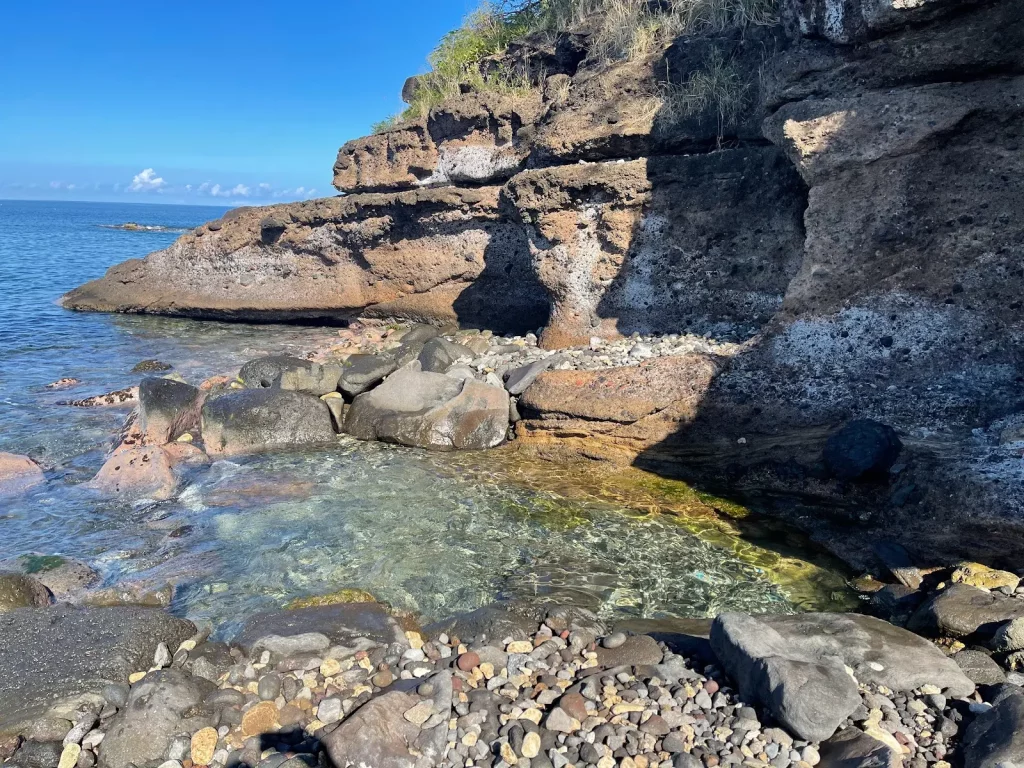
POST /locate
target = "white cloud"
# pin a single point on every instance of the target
(264, 187)
(240, 190)
(147, 181)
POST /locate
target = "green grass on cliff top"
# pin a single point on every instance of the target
(619, 30)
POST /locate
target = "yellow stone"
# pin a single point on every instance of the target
(532, 714)
(204, 744)
(606, 762)
(330, 667)
(531, 745)
(359, 690)
(69, 757)
(415, 641)
(641, 761)
(313, 726)
(508, 754)
(487, 670)
(882, 735)
(471, 738)
(983, 577)
(187, 645)
(134, 677)
(519, 646)
(366, 664)
(252, 687)
(341, 597)
(260, 719)
(627, 762)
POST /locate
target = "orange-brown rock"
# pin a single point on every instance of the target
(336, 257)
(18, 474)
(613, 414)
(137, 472)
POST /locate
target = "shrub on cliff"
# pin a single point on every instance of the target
(616, 29)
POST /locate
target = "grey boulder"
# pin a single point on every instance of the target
(292, 374)
(431, 410)
(852, 748)
(439, 354)
(248, 421)
(996, 737)
(49, 656)
(167, 409)
(160, 706)
(796, 665)
(362, 372)
(518, 380)
(963, 610)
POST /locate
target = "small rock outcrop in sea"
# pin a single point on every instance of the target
(18, 474)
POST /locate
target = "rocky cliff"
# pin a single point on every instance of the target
(845, 205)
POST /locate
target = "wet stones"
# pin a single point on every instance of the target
(20, 591)
(963, 611)
(996, 736)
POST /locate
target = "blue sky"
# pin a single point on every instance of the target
(189, 101)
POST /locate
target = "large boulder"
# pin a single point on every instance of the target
(796, 666)
(161, 706)
(18, 474)
(290, 373)
(20, 591)
(387, 732)
(996, 737)
(362, 372)
(137, 472)
(49, 656)
(253, 420)
(963, 611)
(862, 447)
(167, 409)
(852, 748)
(439, 354)
(431, 410)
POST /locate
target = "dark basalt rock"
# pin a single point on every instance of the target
(861, 448)
(254, 420)
(996, 737)
(362, 372)
(51, 654)
(290, 373)
(962, 611)
(167, 409)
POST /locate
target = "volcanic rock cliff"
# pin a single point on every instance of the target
(848, 211)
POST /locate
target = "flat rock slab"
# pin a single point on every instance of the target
(796, 665)
(637, 651)
(962, 611)
(341, 624)
(48, 655)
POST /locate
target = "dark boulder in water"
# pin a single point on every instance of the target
(253, 420)
(167, 409)
(861, 448)
(151, 366)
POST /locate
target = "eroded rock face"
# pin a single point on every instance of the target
(430, 410)
(167, 409)
(614, 414)
(704, 243)
(439, 256)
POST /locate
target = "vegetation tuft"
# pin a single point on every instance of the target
(468, 57)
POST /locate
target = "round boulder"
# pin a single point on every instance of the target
(253, 420)
(20, 591)
(862, 448)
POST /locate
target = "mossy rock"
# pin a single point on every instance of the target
(62, 576)
(20, 591)
(340, 597)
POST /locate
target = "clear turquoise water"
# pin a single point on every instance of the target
(416, 529)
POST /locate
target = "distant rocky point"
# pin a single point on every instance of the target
(131, 226)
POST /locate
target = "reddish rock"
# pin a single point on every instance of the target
(468, 661)
(137, 472)
(575, 705)
(18, 474)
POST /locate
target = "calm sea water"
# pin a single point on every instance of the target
(428, 533)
